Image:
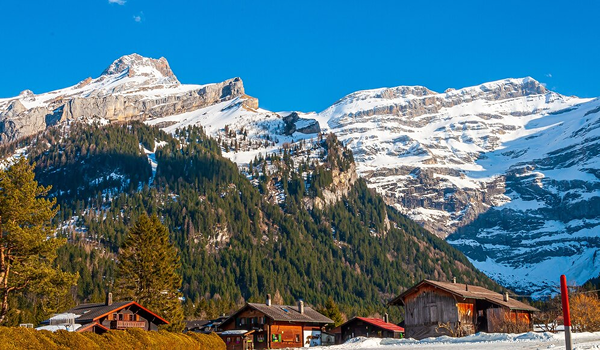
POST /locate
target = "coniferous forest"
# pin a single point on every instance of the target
(235, 241)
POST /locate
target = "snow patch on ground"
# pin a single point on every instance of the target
(498, 341)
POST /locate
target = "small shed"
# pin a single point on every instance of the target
(433, 308)
(369, 327)
(238, 339)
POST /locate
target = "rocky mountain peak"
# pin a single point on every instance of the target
(136, 65)
(508, 88)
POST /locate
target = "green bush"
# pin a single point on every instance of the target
(24, 338)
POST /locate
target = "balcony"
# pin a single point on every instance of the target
(127, 324)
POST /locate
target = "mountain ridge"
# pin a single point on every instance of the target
(453, 161)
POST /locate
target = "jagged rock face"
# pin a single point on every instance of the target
(132, 87)
(342, 184)
(135, 64)
(127, 107)
(293, 123)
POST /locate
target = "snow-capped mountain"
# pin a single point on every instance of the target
(509, 166)
(507, 170)
(132, 87)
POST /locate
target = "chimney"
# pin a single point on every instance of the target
(386, 318)
(454, 280)
(466, 287)
(268, 299)
(505, 296)
(301, 306)
(109, 300)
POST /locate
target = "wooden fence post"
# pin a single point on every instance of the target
(564, 293)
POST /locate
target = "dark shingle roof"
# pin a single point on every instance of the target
(469, 291)
(88, 312)
(286, 313)
(192, 324)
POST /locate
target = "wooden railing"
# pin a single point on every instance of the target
(127, 324)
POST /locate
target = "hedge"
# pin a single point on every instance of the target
(27, 338)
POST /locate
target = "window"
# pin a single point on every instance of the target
(120, 317)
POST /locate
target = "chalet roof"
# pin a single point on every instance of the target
(286, 313)
(196, 323)
(468, 291)
(92, 312)
(377, 322)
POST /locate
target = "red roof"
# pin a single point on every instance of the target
(381, 324)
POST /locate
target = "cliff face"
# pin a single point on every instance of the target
(127, 107)
(341, 185)
(131, 88)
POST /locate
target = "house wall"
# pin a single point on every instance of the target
(429, 307)
(504, 320)
(285, 335)
(127, 315)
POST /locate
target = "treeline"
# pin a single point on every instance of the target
(235, 245)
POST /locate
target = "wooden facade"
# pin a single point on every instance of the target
(238, 340)
(434, 308)
(277, 326)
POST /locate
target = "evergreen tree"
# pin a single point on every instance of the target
(332, 311)
(27, 242)
(148, 271)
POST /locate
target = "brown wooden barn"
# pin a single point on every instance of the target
(369, 327)
(277, 326)
(433, 308)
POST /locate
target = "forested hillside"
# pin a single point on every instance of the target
(240, 235)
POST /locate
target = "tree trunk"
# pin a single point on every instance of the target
(4, 307)
(4, 270)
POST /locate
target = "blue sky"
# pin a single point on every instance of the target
(305, 55)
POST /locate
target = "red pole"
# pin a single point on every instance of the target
(564, 293)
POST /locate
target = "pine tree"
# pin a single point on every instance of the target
(148, 271)
(27, 242)
(332, 311)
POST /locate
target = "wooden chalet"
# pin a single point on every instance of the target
(102, 317)
(369, 328)
(275, 326)
(433, 308)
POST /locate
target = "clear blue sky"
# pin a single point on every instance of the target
(305, 55)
